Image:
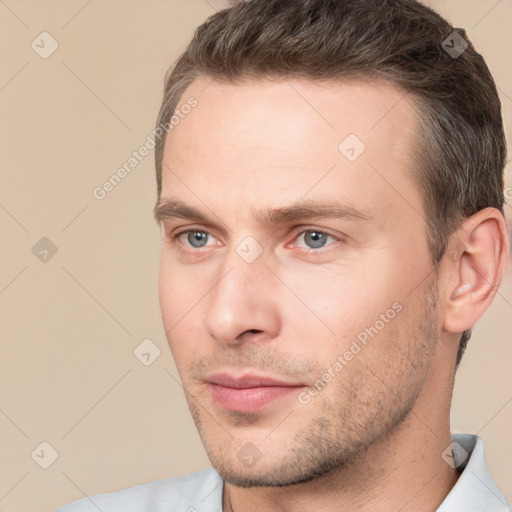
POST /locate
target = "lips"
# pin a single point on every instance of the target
(250, 392)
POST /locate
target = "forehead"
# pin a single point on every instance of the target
(357, 105)
(279, 138)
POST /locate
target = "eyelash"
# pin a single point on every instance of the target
(174, 237)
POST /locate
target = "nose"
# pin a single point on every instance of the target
(243, 305)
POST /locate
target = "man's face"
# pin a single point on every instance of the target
(300, 340)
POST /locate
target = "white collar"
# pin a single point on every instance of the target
(475, 490)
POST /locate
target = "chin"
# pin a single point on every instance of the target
(263, 480)
(288, 473)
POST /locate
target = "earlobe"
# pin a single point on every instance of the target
(476, 268)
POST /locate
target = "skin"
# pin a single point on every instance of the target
(372, 438)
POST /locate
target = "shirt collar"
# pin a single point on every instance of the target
(475, 490)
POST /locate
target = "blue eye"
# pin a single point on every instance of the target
(197, 238)
(315, 239)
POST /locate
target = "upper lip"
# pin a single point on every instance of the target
(248, 380)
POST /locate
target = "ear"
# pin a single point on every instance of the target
(476, 262)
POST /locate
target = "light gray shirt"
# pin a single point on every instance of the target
(475, 490)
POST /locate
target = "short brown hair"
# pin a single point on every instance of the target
(462, 151)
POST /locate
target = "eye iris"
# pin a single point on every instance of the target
(315, 239)
(197, 238)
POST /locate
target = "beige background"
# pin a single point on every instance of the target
(69, 326)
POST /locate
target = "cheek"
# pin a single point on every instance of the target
(341, 301)
(175, 294)
(180, 288)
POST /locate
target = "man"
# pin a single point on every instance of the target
(330, 193)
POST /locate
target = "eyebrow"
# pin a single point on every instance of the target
(310, 209)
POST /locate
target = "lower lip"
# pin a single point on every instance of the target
(249, 399)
